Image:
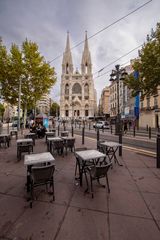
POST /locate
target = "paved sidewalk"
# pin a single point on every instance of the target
(130, 212)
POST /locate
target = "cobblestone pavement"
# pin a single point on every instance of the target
(130, 212)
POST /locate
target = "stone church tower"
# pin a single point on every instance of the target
(77, 89)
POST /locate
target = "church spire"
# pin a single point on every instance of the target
(86, 65)
(86, 48)
(67, 65)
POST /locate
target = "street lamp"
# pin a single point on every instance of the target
(72, 105)
(19, 102)
(117, 75)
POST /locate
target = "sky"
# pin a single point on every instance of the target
(46, 22)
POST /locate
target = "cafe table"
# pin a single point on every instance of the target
(86, 158)
(110, 149)
(50, 142)
(34, 159)
(24, 145)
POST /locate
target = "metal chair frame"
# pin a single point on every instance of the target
(96, 172)
(41, 175)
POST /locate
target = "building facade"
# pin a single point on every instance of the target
(78, 96)
(104, 108)
(150, 111)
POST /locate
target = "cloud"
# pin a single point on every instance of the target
(46, 23)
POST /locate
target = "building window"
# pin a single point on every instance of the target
(141, 104)
(67, 68)
(76, 89)
(67, 113)
(86, 113)
(86, 89)
(156, 102)
(148, 102)
(67, 89)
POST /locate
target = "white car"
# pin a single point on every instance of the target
(101, 125)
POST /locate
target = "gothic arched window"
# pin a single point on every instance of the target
(86, 110)
(86, 67)
(86, 89)
(76, 89)
(66, 110)
(67, 68)
(67, 89)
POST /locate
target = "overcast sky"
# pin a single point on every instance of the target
(47, 21)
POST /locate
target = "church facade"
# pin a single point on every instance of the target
(78, 96)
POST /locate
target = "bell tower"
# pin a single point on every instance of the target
(86, 65)
(67, 65)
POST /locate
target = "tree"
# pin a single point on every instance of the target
(55, 109)
(148, 66)
(24, 67)
(2, 109)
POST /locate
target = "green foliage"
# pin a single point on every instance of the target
(27, 66)
(55, 109)
(2, 109)
(148, 65)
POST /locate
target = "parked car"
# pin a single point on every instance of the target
(101, 125)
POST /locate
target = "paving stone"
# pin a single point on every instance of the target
(83, 224)
(124, 227)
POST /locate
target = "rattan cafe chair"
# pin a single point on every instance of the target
(97, 172)
(42, 175)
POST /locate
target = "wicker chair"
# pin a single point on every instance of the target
(24, 147)
(69, 143)
(99, 147)
(59, 147)
(96, 172)
(42, 175)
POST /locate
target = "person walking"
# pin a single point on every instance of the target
(125, 127)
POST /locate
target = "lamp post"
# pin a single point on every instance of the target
(72, 105)
(19, 103)
(117, 75)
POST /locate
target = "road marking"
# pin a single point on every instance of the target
(137, 150)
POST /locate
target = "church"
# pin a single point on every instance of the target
(78, 96)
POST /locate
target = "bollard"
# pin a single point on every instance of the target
(58, 130)
(79, 125)
(120, 142)
(134, 131)
(82, 135)
(147, 127)
(97, 137)
(72, 131)
(158, 150)
(149, 132)
(89, 126)
(111, 129)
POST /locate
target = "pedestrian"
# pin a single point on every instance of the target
(53, 123)
(125, 127)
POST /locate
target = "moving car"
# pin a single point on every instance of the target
(101, 125)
